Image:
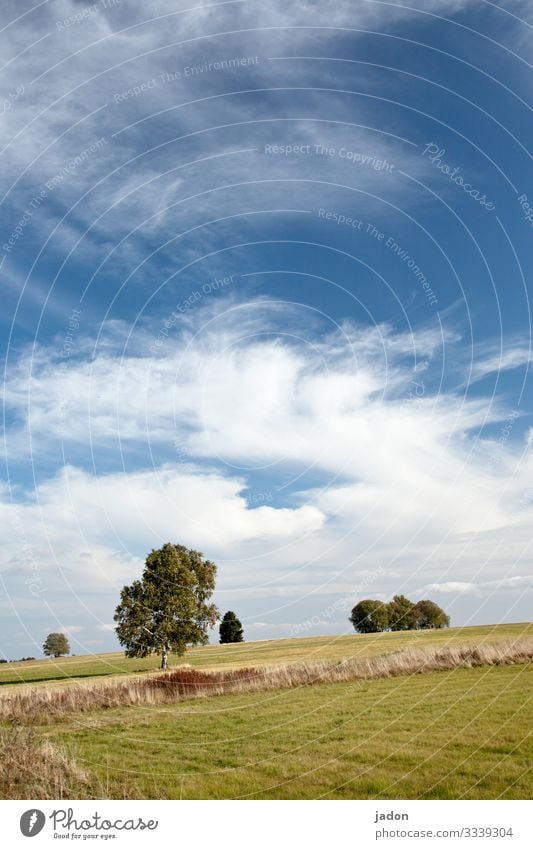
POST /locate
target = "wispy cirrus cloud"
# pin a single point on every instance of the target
(209, 137)
(302, 438)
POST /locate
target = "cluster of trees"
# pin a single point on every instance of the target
(400, 614)
(170, 608)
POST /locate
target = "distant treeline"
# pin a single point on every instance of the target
(3, 660)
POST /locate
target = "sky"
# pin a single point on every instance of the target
(265, 275)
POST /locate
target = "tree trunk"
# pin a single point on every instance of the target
(164, 659)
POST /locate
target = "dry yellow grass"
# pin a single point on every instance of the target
(108, 667)
(184, 683)
(33, 769)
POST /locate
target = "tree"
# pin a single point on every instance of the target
(369, 616)
(428, 614)
(55, 645)
(230, 629)
(401, 613)
(169, 608)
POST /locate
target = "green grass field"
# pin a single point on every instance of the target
(459, 734)
(255, 654)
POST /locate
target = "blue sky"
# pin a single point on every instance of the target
(265, 276)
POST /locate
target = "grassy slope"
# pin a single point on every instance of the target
(254, 654)
(458, 734)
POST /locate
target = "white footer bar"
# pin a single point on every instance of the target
(269, 824)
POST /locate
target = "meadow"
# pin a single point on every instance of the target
(465, 733)
(267, 652)
(412, 715)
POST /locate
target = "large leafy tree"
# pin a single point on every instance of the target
(55, 645)
(401, 613)
(369, 616)
(428, 614)
(230, 629)
(169, 608)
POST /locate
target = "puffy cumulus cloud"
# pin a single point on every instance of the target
(79, 530)
(361, 471)
(203, 510)
(71, 544)
(228, 381)
(263, 388)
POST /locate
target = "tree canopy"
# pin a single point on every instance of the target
(428, 614)
(169, 608)
(400, 614)
(370, 616)
(55, 645)
(230, 628)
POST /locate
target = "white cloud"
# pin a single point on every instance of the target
(369, 474)
(482, 587)
(364, 474)
(513, 355)
(80, 529)
(70, 629)
(450, 587)
(72, 80)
